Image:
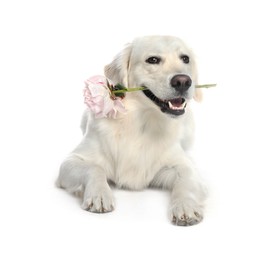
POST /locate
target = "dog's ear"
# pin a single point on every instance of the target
(117, 70)
(198, 92)
(198, 96)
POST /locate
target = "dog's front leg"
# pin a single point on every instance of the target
(186, 205)
(80, 176)
(187, 193)
(98, 195)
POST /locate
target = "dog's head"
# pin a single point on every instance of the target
(162, 64)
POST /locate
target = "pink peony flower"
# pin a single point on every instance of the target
(99, 98)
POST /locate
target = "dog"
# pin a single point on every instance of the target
(146, 146)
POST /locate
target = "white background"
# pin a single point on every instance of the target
(48, 49)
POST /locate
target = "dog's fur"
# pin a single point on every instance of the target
(145, 147)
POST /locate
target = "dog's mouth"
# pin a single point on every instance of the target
(174, 106)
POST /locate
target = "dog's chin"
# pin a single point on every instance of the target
(173, 107)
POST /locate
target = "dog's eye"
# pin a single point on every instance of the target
(185, 58)
(153, 60)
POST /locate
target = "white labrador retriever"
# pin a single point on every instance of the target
(146, 147)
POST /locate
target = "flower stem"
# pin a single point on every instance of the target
(205, 86)
(119, 91)
(128, 90)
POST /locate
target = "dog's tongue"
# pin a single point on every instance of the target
(177, 103)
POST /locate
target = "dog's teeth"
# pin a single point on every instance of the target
(182, 106)
(170, 105)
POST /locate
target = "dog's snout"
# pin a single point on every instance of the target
(181, 82)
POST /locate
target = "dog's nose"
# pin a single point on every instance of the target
(181, 82)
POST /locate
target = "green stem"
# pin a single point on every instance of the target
(143, 88)
(205, 86)
(128, 90)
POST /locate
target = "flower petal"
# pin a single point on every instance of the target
(96, 80)
(98, 97)
(119, 106)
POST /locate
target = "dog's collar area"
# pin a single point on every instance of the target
(174, 106)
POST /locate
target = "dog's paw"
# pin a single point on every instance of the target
(186, 213)
(101, 202)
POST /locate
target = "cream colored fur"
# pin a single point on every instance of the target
(144, 147)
